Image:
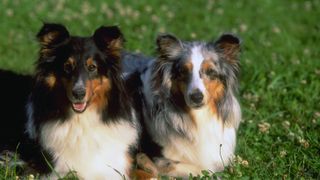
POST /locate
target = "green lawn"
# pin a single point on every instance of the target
(280, 67)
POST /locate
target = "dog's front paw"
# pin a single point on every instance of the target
(145, 163)
(165, 165)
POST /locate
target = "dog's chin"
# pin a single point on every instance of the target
(79, 107)
(196, 106)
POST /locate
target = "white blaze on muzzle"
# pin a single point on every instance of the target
(196, 84)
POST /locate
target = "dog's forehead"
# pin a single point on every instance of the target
(82, 44)
(83, 48)
(201, 51)
(200, 55)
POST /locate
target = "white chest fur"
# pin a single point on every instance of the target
(93, 149)
(212, 146)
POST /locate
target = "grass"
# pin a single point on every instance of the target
(280, 66)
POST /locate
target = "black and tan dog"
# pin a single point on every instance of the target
(78, 111)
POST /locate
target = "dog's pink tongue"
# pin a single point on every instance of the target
(79, 106)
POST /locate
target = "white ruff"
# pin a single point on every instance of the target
(204, 152)
(85, 144)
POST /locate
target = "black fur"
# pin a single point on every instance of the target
(146, 145)
(15, 90)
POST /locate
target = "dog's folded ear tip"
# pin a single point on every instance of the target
(52, 33)
(168, 44)
(109, 39)
(110, 31)
(46, 26)
(163, 36)
(230, 38)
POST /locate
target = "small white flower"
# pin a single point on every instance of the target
(303, 81)
(286, 124)
(245, 163)
(220, 11)
(31, 177)
(155, 18)
(306, 51)
(304, 143)
(283, 153)
(9, 12)
(307, 6)
(148, 8)
(243, 27)
(170, 15)
(264, 127)
(162, 29)
(193, 35)
(276, 30)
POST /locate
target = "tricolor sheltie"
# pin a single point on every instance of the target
(78, 109)
(190, 108)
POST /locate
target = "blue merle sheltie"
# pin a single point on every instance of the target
(78, 110)
(190, 109)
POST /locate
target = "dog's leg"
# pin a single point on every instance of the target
(176, 169)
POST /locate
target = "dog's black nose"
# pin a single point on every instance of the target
(196, 97)
(79, 93)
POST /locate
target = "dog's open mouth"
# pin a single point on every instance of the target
(79, 107)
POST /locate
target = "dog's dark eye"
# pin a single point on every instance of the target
(212, 74)
(92, 67)
(68, 68)
(182, 73)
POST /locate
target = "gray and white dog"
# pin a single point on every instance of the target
(189, 106)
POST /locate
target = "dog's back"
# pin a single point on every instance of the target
(14, 90)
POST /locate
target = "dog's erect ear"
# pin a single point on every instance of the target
(52, 35)
(229, 45)
(109, 39)
(168, 45)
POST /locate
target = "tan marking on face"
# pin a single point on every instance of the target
(98, 89)
(188, 66)
(51, 80)
(90, 61)
(207, 64)
(215, 90)
(178, 88)
(71, 60)
(184, 71)
(69, 65)
(214, 87)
